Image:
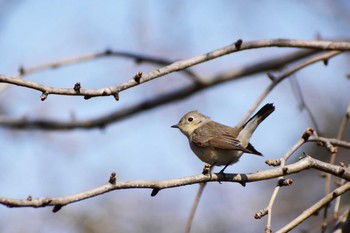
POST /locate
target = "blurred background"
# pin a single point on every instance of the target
(144, 147)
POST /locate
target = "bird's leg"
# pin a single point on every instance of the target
(222, 170)
(206, 169)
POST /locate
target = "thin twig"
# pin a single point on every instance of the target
(303, 105)
(194, 207)
(334, 153)
(284, 75)
(92, 56)
(206, 170)
(332, 141)
(23, 71)
(283, 160)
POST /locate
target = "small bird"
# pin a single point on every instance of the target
(217, 144)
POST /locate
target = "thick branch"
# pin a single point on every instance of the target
(179, 65)
(301, 165)
(100, 122)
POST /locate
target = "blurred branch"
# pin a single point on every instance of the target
(23, 71)
(277, 79)
(308, 136)
(102, 121)
(305, 163)
(302, 104)
(282, 163)
(107, 53)
(330, 142)
(332, 159)
(316, 207)
(177, 66)
(206, 169)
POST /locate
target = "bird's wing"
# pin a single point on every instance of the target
(218, 136)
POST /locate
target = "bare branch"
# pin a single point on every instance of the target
(305, 163)
(207, 169)
(194, 207)
(283, 159)
(185, 92)
(332, 141)
(107, 53)
(179, 65)
(316, 207)
(276, 80)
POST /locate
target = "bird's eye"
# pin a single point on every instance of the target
(190, 119)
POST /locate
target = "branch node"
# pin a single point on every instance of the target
(271, 76)
(284, 182)
(21, 71)
(335, 194)
(113, 178)
(56, 208)
(331, 148)
(238, 44)
(138, 76)
(108, 52)
(268, 230)
(243, 183)
(308, 132)
(155, 192)
(341, 164)
(274, 163)
(261, 213)
(77, 87)
(86, 97)
(47, 201)
(325, 62)
(44, 96)
(29, 198)
(116, 96)
(303, 156)
(341, 171)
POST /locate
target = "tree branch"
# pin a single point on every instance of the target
(287, 73)
(305, 163)
(316, 207)
(177, 66)
(100, 122)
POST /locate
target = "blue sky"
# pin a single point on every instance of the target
(144, 146)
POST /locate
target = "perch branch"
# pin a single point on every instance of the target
(304, 163)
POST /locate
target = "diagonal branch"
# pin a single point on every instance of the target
(316, 207)
(100, 122)
(177, 66)
(283, 76)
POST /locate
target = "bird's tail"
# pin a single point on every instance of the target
(249, 127)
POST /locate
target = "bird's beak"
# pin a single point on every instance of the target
(175, 126)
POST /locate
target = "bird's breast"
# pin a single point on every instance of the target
(217, 157)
